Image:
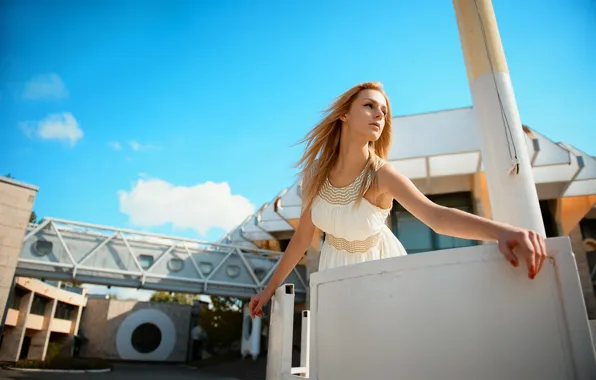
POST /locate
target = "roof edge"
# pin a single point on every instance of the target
(18, 183)
(432, 112)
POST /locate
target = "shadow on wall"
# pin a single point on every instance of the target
(135, 330)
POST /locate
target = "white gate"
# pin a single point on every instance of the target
(455, 314)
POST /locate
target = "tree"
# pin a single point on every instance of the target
(177, 298)
(222, 323)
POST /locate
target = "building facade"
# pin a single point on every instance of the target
(441, 153)
(136, 331)
(41, 317)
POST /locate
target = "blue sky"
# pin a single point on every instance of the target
(121, 111)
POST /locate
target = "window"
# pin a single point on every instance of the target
(550, 223)
(588, 230)
(38, 307)
(146, 261)
(64, 311)
(17, 297)
(418, 237)
(175, 265)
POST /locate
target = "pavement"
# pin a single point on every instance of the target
(123, 371)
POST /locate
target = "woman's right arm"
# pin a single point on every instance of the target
(298, 245)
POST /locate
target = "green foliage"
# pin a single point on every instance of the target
(53, 351)
(222, 323)
(177, 298)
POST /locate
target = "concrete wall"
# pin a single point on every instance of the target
(93, 327)
(16, 204)
(109, 324)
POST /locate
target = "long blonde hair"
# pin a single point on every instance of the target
(322, 144)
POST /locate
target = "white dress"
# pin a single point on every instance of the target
(353, 233)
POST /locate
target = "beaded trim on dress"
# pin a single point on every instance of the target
(341, 195)
(345, 196)
(355, 246)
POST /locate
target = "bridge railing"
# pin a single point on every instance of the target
(64, 250)
(455, 314)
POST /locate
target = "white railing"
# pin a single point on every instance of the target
(279, 354)
(456, 314)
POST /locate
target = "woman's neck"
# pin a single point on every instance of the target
(351, 157)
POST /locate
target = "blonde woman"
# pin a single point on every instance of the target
(348, 191)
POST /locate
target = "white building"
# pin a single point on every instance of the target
(441, 153)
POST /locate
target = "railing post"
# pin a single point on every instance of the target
(305, 343)
(279, 354)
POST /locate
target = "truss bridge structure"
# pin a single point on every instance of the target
(63, 250)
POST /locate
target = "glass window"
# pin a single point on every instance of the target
(588, 230)
(64, 311)
(413, 234)
(17, 297)
(418, 237)
(175, 265)
(38, 307)
(146, 261)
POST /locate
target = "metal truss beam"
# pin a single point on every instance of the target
(64, 250)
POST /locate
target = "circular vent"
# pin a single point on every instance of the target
(146, 338)
(42, 247)
(175, 265)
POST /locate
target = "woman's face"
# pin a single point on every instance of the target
(366, 116)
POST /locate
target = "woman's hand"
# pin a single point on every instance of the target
(258, 301)
(515, 243)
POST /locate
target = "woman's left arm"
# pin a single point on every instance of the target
(513, 241)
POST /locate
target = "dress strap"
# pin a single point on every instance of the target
(377, 164)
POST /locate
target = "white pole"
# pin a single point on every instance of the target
(305, 343)
(510, 181)
(279, 354)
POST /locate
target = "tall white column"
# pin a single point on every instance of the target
(509, 177)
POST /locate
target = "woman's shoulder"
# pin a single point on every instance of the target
(378, 163)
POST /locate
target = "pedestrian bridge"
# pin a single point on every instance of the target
(64, 250)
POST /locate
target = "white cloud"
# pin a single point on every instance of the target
(62, 127)
(154, 202)
(136, 146)
(115, 145)
(45, 87)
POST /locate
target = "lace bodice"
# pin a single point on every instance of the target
(353, 232)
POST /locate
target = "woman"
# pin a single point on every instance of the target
(348, 192)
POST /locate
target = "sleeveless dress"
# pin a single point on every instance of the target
(353, 233)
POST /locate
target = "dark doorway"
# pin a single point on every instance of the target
(25, 347)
